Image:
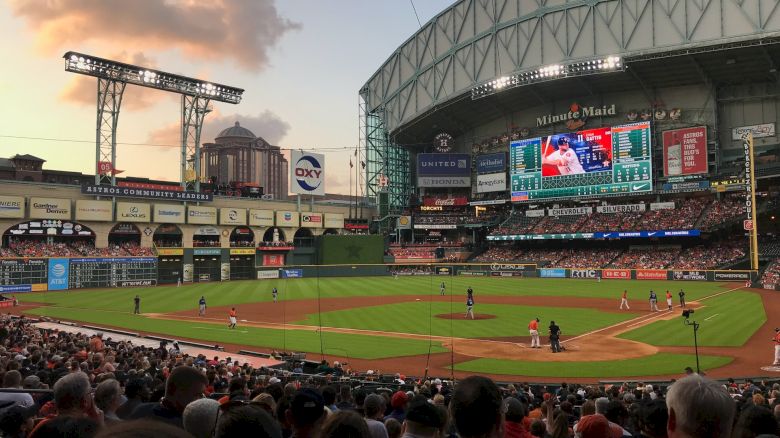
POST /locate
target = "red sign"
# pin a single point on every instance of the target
(685, 151)
(624, 274)
(273, 260)
(446, 202)
(349, 226)
(747, 224)
(150, 186)
(650, 274)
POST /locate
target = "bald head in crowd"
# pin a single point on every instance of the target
(699, 408)
(476, 408)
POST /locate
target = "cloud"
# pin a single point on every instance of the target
(82, 90)
(267, 125)
(239, 30)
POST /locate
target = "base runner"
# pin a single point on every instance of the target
(624, 300)
(653, 302)
(533, 328)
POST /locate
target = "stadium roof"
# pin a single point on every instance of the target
(236, 131)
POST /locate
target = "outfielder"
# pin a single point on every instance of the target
(470, 303)
(533, 328)
(653, 302)
(275, 294)
(232, 318)
(202, 306)
(442, 288)
(624, 300)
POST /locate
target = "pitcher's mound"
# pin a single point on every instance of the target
(461, 316)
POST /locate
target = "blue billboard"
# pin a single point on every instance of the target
(552, 273)
(58, 274)
(491, 163)
(16, 288)
(292, 273)
(443, 165)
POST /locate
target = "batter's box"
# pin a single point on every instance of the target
(772, 368)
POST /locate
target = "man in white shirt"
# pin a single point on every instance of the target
(565, 159)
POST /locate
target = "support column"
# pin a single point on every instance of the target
(193, 111)
(109, 99)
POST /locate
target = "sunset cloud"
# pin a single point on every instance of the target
(266, 125)
(242, 31)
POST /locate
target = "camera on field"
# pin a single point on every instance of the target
(687, 313)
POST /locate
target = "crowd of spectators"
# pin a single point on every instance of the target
(646, 258)
(277, 244)
(607, 222)
(412, 253)
(115, 389)
(588, 258)
(771, 276)
(684, 216)
(709, 256)
(724, 210)
(559, 224)
(517, 223)
(72, 248)
(499, 253)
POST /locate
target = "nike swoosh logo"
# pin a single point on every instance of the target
(638, 187)
(651, 234)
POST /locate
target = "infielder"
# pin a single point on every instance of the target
(533, 328)
(682, 298)
(232, 318)
(202, 306)
(275, 294)
(624, 300)
(669, 300)
(653, 302)
(442, 288)
(777, 347)
(470, 303)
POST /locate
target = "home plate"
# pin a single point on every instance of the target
(417, 299)
(773, 368)
(242, 320)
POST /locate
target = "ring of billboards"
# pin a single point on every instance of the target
(597, 161)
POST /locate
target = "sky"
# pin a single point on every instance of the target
(300, 62)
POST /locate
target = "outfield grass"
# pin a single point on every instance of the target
(725, 321)
(655, 365)
(354, 346)
(419, 318)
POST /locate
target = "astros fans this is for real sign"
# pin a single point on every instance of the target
(307, 173)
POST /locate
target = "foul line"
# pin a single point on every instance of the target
(222, 330)
(710, 317)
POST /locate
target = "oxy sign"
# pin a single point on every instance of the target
(307, 173)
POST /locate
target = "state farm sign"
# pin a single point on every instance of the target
(650, 274)
(622, 274)
(446, 202)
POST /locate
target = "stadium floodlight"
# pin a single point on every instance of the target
(546, 73)
(112, 78)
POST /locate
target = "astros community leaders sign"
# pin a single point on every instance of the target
(130, 192)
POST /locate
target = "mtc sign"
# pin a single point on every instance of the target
(307, 173)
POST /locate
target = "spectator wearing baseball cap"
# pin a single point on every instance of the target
(306, 413)
(17, 421)
(594, 426)
(423, 419)
(398, 402)
(514, 413)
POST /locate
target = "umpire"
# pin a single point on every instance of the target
(555, 337)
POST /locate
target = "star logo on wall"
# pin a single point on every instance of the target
(353, 252)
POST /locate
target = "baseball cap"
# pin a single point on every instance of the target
(426, 414)
(31, 382)
(398, 400)
(513, 409)
(307, 406)
(594, 426)
(14, 417)
(273, 380)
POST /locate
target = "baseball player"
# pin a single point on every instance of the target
(565, 159)
(533, 328)
(232, 318)
(137, 303)
(681, 294)
(669, 300)
(470, 303)
(442, 288)
(202, 306)
(275, 294)
(555, 337)
(624, 300)
(777, 347)
(653, 302)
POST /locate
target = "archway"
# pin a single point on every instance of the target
(206, 236)
(242, 237)
(123, 233)
(274, 235)
(330, 232)
(167, 235)
(303, 238)
(47, 237)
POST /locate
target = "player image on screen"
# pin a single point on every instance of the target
(577, 153)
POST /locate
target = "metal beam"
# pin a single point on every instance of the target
(193, 111)
(109, 100)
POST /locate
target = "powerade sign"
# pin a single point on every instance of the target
(443, 165)
(58, 274)
(732, 276)
(292, 273)
(491, 163)
(16, 288)
(552, 273)
(307, 173)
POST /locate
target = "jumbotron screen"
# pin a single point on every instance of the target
(599, 161)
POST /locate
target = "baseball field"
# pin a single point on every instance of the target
(404, 324)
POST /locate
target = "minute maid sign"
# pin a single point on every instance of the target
(576, 116)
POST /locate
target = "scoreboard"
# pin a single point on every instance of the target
(112, 272)
(23, 275)
(599, 161)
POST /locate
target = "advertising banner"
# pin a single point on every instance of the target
(15, 288)
(49, 208)
(292, 273)
(437, 165)
(626, 234)
(507, 267)
(267, 274)
(136, 283)
(307, 173)
(287, 219)
(133, 212)
(491, 163)
(334, 220)
(489, 202)
(261, 218)
(620, 274)
(170, 251)
(311, 220)
(58, 274)
(206, 231)
(201, 215)
(651, 274)
(491, 182)
(685, 151)
(441, 270)
(626, 208)
(435, 226)
(131, 192)
(169, 213)
(224, 272)
(98, 211)
(404, 223)
(689, 275)
(242, 251)
(11, 207)
(584, 273)
(662, 206)
(457, 201)
(574, 211)
(758, 131)
(687, 186)
(575, 153)
(444, 181)
(232, 216)
(731, 276)
(534, 213)
(552, 273)
(207, 251)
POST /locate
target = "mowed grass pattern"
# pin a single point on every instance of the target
(655, 365)
(728, 320)
(420, 318)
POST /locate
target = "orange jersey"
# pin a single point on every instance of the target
(625, 294)
(777, 338)
(232, 313)
(668, 295)
(533, 325)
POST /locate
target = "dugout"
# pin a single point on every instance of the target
(207, 264)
